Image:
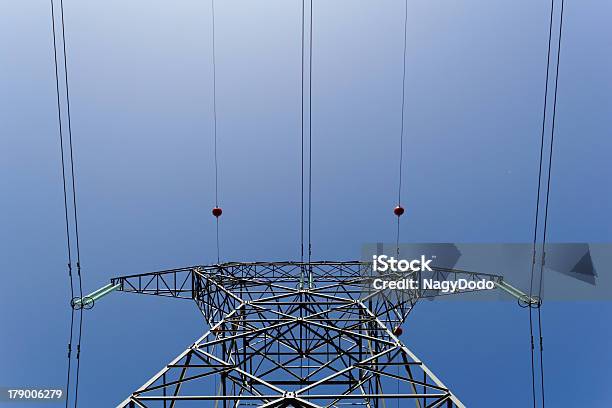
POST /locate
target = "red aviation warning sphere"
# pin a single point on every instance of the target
(398, 331)
(217, 212)
(398, 210)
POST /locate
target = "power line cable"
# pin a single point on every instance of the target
(535, 235)
(550, 162)
(72, 172)
(401, 147)
(310, 147)
(74, 204)
(552, 141)
(214, 66)
(401, 150)
(64, 181)
(537, 211)
(78, 358)
(302, 152)
(302, 131)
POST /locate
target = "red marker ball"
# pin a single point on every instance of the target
(398, 331)
(398, 210)
(217, 212)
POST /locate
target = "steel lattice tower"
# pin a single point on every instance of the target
(276, 340)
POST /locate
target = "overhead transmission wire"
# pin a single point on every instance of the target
(401, 149)
(67, 223)
(537, 211)
(302, 269)
(301, 334)
(65, 192)
(550, 158)
(535, 235)
(302, 150)
(214, 67)
(74, 204)
(401, 144)
(310, 147)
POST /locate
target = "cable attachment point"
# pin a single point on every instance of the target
(534, 302)
(86, 302)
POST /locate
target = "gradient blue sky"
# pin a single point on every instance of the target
(142, 120)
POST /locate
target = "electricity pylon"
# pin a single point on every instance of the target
(291, 334)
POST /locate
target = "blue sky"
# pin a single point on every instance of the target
(142, 121)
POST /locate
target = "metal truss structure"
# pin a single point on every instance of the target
(291, 334)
